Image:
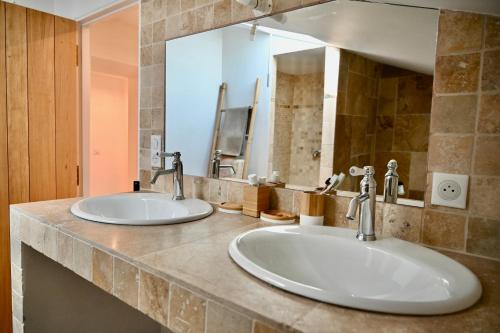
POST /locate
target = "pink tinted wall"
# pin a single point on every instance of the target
(111, 123)
(108, 134)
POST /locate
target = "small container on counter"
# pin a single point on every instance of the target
(230, 208)
(312, 208)
(255, 199)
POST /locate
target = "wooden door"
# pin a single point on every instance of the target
(38, 119)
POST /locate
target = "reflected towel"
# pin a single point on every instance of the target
(234, 128)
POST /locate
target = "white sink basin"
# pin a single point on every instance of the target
(330, 265)
(140, 209)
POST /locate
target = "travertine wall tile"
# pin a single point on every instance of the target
(454, 114)
(153, 297)
(489, 114)
(102, 270)
(459, 32)
(223, 320)
(451, 154)
(263, 328)
(486, 157)
(281, 199)
(65, 250)
(16, 273)
(15, 252)
(483, 236)
(187, 311)
(126, 282)
(17, 326)
(50, 243)
(82, 259)
(457, 73)
(17, 306)
(491, 70)
(444, 230)
(483, 199)
(492, 38)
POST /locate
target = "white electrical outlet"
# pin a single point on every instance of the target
(155, 151)
(449, 190)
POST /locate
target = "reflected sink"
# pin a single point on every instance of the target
(140, 209)
(330, 265)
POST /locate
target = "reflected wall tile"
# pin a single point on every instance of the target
(402, 222)
(411, 133)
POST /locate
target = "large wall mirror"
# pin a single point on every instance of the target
(307, 93)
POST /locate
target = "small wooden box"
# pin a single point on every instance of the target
(255, 199)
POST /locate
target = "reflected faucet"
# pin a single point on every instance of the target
(366, 201)
(216, 166)
(178, 175)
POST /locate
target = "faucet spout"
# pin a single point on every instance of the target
(177, 171)
(159, 173)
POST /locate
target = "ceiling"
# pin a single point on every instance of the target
(302, 62)
(396, 35)
(78, 9)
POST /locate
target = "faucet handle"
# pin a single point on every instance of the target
(175, 154)
(366, 171)
(355, 171)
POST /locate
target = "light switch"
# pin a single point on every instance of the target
(449, 190)
(155, 151)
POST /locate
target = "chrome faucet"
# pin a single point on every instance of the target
(366, 202)
(391, 181)
(177, 172)
(216, 166)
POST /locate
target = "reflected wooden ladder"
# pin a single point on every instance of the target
(251, 127)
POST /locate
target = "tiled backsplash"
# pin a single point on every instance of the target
(465, 122)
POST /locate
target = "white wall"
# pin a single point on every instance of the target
(193, 77)
(243, 62)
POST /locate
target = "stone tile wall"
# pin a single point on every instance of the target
(465, 132)
(465, 122)
(297, 127)
(356, 115)
(402, 129)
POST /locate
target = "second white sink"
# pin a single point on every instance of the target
(140, 209)
(331, 265)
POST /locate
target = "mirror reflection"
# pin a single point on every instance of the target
(305, 94)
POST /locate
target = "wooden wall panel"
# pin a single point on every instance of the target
(66, 107)
(5, 304)
(17, 103)
(41, 101)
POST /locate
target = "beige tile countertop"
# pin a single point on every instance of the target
(182, 276)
